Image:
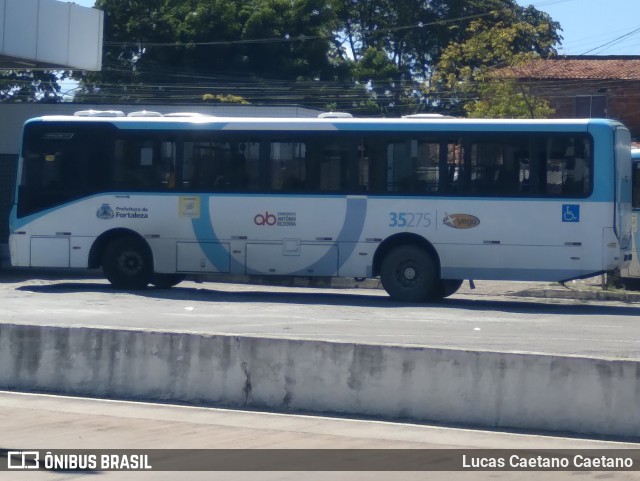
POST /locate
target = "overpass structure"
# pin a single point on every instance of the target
(48, 34)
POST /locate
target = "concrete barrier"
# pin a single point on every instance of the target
(488, 389)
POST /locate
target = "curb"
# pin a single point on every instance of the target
(581, 295)
(495, 390)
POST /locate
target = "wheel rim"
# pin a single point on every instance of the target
(130, 263)
(407, 273)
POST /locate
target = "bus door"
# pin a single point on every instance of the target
(633, 270)
(623, 187)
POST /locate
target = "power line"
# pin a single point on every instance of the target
(614, 41)
(549, 2)
(287, 38)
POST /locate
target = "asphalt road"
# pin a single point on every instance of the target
(472, 320)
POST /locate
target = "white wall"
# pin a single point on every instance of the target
(48, 33)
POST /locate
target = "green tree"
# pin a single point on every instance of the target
(395, 46)
(224, 99)
(31, 86)
(376, 57)
(477, 73)
(507, 98)
(258, 49)
(388, 45)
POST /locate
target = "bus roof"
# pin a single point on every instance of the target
(202, 122)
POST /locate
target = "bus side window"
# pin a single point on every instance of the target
(451, 164)
(333, 174)
(428, 166)
(487, 166)
(577, 178)
(288, 166)
(245, 170)
(373, 156)
(524, 171)
(132, 162)
(144, 164)
(508, 175)
(401, 166)
(555, 173)
(198, 170)
(565, 166)
(364, 164)
(167, 165)
(221, 166)
(144, 170)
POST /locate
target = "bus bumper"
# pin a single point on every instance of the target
(19, 250)
(614, 257)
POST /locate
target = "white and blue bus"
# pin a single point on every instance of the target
(629, 276)
(423, 203)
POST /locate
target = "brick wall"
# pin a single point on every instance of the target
(623, 99)
(624, 104)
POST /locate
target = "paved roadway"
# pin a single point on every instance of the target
(489, 318)
(31, 421)
(481, 319)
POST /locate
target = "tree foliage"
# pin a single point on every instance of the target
(30, 86)
(224, 99)
(379, 57)
(477, 71)
(257, 49)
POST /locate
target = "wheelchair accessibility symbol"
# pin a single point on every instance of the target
(570, 213)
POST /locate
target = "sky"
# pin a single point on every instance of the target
(590, 27)
(594, 27)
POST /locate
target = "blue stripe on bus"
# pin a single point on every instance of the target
(351, 231)
(219, 256)
(604, 195)
(206, 235)
(16, 224)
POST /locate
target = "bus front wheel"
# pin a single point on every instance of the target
(408, 274)
(127, 263)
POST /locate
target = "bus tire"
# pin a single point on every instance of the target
(127, 263)
(409, 274)
(448, 287)
(166, 281)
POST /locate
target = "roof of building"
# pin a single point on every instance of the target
(615, 67)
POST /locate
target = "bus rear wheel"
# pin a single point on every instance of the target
(448, 287)
(166, 281)
(127, 263)
(408, 274)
